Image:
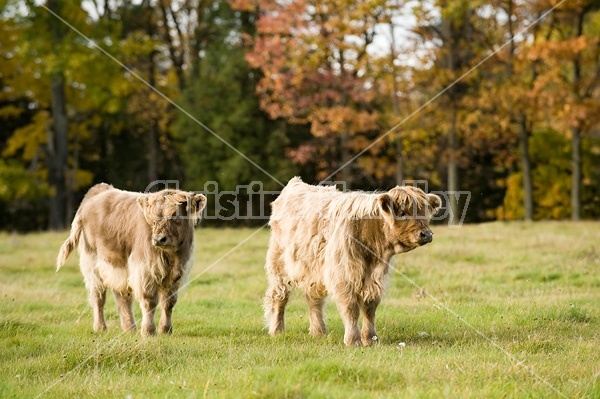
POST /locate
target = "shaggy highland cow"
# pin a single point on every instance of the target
(328, 242)
(138, 245)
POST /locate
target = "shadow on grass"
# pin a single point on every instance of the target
(11, 328)
(208, 280)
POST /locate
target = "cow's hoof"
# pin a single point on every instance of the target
(370, 341)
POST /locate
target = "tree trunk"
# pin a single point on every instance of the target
(176, 54)
(57, 154)
(152, 153)
(453, 171)
(345, 158)
(58, 138)
(526, 169)
(576, 131)
(399, 162)
(576, 176)
(72, 179)
(520, 120)
(104, 150)
(448, 36)
(399, 170)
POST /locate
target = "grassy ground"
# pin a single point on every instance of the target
(530, 294)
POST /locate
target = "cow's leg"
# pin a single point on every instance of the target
(146, 292)
(315, 314)
(97, 300)
(349, 309)
(124, 306)
(370, 298)
(148, 304)
(278, 292)
(95, 287)
(276, 299)
(168, 299)
(368, 308)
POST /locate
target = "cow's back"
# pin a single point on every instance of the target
(300, 230)
(113, 224)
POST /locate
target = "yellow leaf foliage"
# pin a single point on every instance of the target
(29, 138)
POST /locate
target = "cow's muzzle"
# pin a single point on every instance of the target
(425, 237)
(160, 241)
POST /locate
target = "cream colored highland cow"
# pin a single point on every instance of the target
(139, 246)
(328, 242)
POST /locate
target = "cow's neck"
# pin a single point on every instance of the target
(369, 234)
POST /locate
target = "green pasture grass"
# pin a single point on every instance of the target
(498, 310)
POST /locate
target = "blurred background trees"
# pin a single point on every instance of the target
(300, 87)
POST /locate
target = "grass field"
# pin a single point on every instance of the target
(499, 310)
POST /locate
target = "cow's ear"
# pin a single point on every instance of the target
(196, 204)
(386, 207)
(435, 202)
(143, 204)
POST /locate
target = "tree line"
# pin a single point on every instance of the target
(499, 98)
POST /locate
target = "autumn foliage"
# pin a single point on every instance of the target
(301, 87)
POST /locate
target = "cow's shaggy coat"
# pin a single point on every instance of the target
(328, 242)
(139, 246)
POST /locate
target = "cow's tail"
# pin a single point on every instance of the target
(77, 227)
(71, 243)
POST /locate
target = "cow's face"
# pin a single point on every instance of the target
(407, 212)
(171, 215)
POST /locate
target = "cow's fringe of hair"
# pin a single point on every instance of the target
(360, 204)
(415, 200)
(353, 205)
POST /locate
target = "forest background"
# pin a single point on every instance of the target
(166, 89)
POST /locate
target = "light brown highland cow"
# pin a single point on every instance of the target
(328, 242)
(139, 246)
